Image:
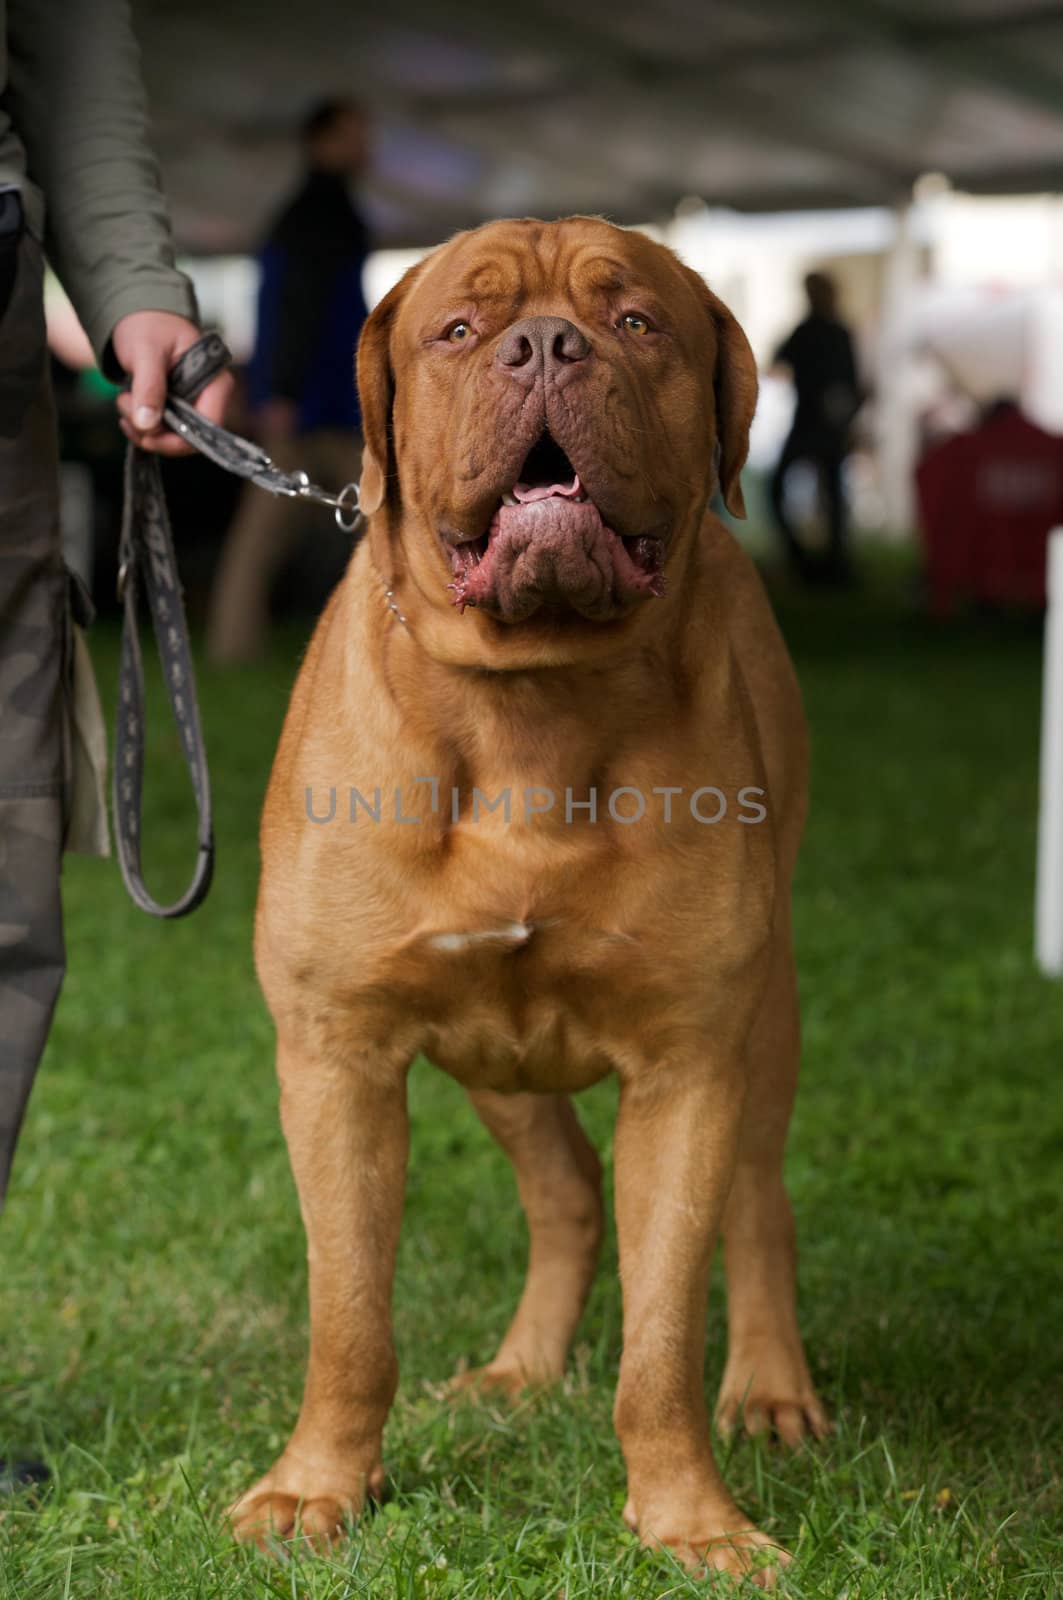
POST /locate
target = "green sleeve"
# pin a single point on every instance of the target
(77, 102)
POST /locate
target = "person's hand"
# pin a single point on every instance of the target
(146, 345)
(277, 420)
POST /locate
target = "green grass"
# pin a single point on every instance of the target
(152, 1319)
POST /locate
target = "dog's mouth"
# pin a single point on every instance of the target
(547, 543)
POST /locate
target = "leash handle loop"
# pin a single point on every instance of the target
(146, 555)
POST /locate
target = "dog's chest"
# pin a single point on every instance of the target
(521, 1003)
(546, 976)
(527, 955)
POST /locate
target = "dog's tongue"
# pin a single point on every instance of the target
(523, 492)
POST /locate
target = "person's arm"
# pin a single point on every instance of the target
(311, 252)
(304, 282)
(852, 375)
(77, 102)
(782, 361)
(784, 355)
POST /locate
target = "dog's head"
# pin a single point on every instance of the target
(547, 409)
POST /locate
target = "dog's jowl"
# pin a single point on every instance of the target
(547, 665)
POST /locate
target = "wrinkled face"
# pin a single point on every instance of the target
(556, 394)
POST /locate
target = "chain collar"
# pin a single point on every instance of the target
(389, 596)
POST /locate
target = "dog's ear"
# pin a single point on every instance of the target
(376, 392)
(735, 388)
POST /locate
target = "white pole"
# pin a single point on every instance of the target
(895, 410)
(1049, 910)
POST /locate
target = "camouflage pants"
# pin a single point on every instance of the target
(34, 646)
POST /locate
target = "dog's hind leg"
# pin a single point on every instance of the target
(766, 1383)
(559, 1181)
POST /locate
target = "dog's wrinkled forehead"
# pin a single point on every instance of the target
(505, 268)
(697, 364)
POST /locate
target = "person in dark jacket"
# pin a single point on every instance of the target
(311, 306)
(79, 188)
(819, 354)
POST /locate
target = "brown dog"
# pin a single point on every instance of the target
(535, 812)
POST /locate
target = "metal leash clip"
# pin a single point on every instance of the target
(250, 461)
(344, 504)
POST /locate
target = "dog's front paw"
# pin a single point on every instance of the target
(296, 1501)
(711, 1542)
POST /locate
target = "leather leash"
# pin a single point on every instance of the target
(146, 556)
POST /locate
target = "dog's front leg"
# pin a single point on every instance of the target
(348, 1134)
(675, 1149)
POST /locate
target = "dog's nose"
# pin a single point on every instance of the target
(548, 347)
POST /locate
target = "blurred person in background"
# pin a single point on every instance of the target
(819, 355)
(311, 306)
(78, 184)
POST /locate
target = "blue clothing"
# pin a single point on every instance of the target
(311, 306)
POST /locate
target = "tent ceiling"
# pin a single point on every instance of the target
(544, 107)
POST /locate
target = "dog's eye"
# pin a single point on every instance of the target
(635, 323)
(459, 333)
